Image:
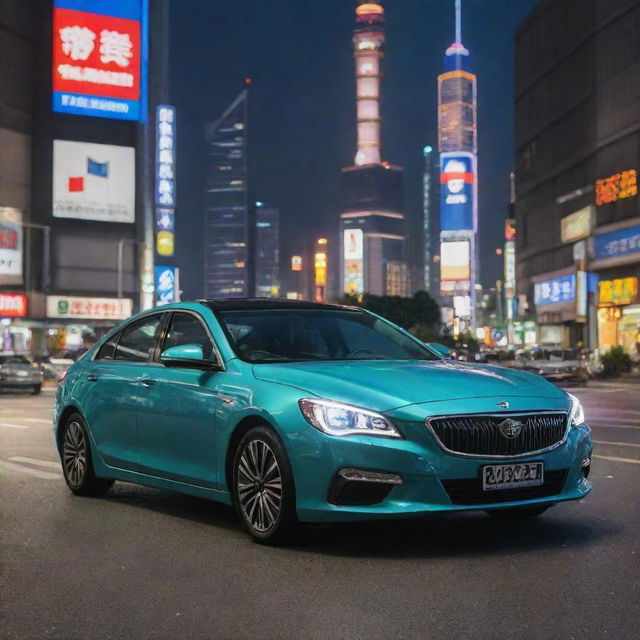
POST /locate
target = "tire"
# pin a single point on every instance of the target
(266, 509)
(516, 513)
(77, 465)
(36, 390)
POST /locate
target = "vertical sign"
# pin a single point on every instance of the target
(10, 246)
(165, 189)
(99, 58)
(353, 248)
(166, 284)
(457, 181)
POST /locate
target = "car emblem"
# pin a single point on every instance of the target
(510, 428)
(503, 404)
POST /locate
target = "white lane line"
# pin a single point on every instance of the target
(35, 420)
(618, 444)
(10, 425)
(45, 475)
(602, 425)
(40, 463)
(616, 459)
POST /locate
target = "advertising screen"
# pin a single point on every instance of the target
(165, 284)
(456, 192)
(93, 181)
(562, 289)
(353, 261)
(454, 261)
(99, 58)
(10, 246)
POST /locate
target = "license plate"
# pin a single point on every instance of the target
(512, 476)
(22, 374)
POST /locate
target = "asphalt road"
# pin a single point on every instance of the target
(145, 563)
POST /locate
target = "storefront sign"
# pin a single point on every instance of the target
(577, 225)
(93, 181)
(99, 58)
(13, 305)
(617, 244)
(561, 289)
(74, 307)
(11, 240)
(165, 284)
(616, 187)
(617, 292)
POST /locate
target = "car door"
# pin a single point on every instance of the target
(111, 384)
(178, 404)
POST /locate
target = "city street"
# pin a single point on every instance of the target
(146, 563)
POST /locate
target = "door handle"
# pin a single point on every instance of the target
(92, 377)
(147, 382)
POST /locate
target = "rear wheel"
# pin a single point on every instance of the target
(517, 513)
(36, 390)
(263, 489)
(77, 464)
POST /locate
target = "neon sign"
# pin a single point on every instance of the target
(617, 187)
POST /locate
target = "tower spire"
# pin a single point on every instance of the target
(458, 22)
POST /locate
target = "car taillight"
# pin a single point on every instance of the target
(61, 376)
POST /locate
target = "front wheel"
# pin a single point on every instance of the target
(517, 513)
(36, 390)
(263, 489)
(77, 464)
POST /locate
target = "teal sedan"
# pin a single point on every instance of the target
(298, 412)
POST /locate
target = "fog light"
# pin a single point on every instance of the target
(370, 476)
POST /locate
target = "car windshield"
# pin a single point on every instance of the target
(14, 360)
(279, 335)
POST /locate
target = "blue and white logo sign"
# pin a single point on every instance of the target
(165, 283)
(456, 192)
(165, 220)
(617, 244)
(561, 289)
(165, 156)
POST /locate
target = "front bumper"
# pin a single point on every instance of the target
(432, 478)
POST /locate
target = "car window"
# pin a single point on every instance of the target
(108, 350)
(185, 328)
(14, 360)
(136, 339)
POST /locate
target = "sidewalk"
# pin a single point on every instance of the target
(625, 379)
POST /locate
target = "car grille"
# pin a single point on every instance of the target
(481, 435)
(469, 491)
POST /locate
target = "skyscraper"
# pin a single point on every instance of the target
(267, 251)
(372, 226)
(457, 138)
(429, 222)
(226, 215)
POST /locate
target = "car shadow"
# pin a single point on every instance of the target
(445, 534)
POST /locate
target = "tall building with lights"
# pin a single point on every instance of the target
(458, 146)
(372, 224)
(267, 251)
(226, 216)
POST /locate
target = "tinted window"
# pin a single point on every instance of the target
(136, 339)
(185, 328)
(271, 335)
(108, 349)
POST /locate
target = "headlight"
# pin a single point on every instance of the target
(339, 419)
(576, 416)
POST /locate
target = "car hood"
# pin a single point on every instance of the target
(387, 385)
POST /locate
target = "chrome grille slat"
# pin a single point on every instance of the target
(479, 435)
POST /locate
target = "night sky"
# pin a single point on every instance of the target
(302, 111)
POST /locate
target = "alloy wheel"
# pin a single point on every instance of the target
(74, 451)
(259, 485)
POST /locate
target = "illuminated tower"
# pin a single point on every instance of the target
(457, 138)
(372, 230)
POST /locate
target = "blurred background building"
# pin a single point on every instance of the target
(266, 246)
(577, 153)
(372, 224)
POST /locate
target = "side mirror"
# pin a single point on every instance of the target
(186, 355)
(440, 349)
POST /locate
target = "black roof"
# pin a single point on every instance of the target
(245, 304)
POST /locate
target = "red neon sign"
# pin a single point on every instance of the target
(13, 305)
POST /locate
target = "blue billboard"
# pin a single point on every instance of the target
(165, 284)
(617, 244)
(100, 58)
(562, 289)
(457, 179)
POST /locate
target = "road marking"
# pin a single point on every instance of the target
(602, 425)
(45, 475)
(9, 425)
(40, 463)
(36, 420)
(616, 459)
(618, 444)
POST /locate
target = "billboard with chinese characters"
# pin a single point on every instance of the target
(617, 244)
(166, 284)
(99, 58)
(353, 251)
(11, 238)
(93, 181)
(165, 183)
(13, 305)
(617, 187)
(89, 308)
(457, 200)
(555, 290)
